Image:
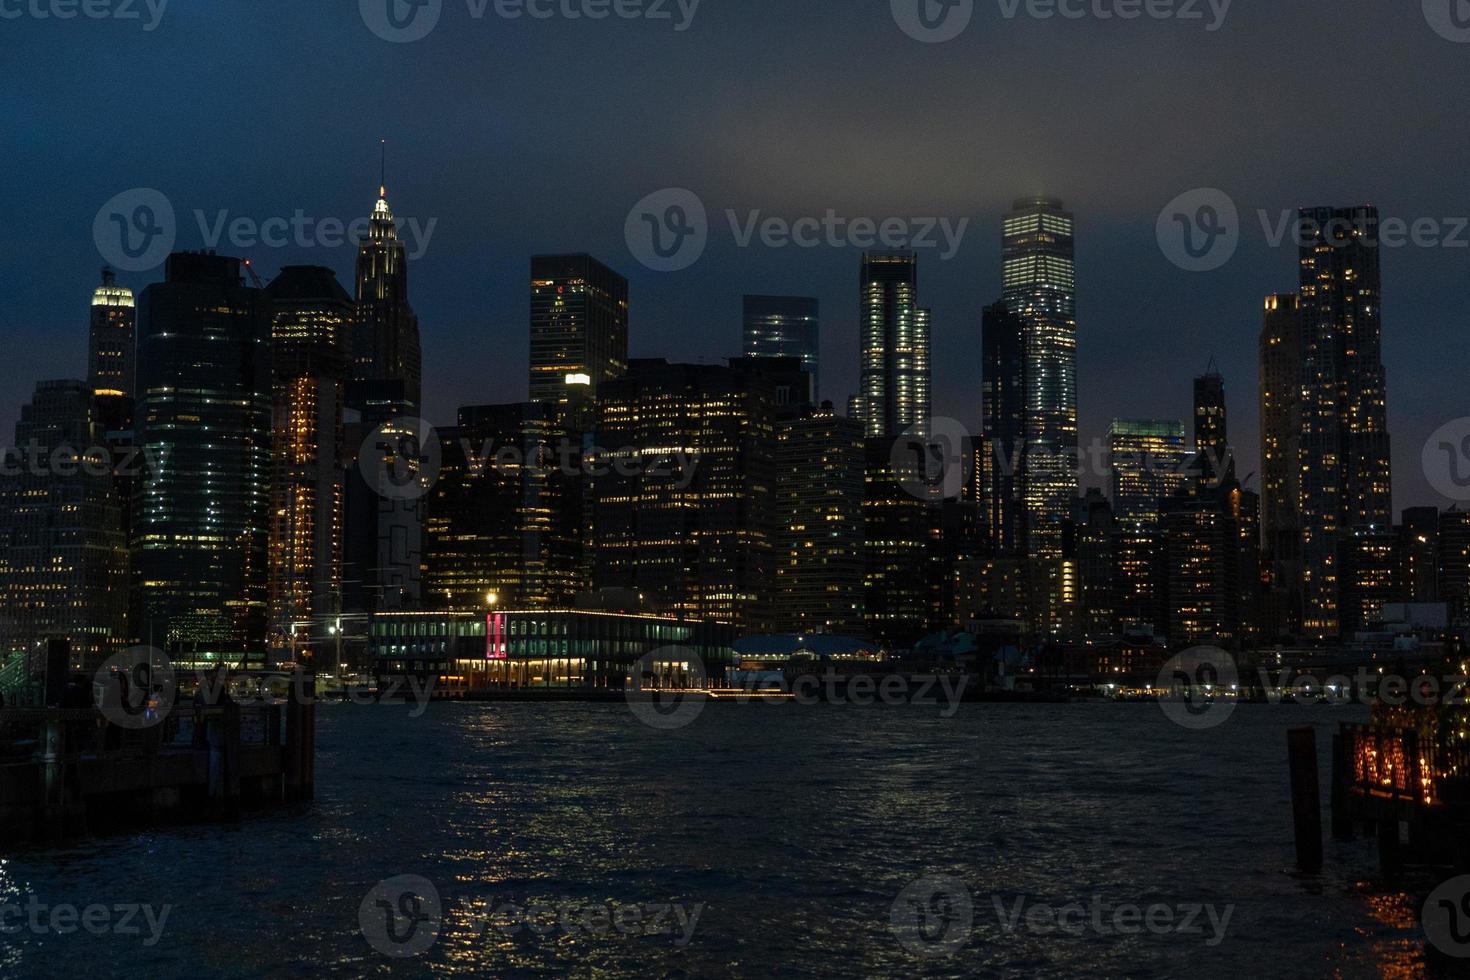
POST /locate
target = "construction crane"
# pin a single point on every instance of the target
(254, 278)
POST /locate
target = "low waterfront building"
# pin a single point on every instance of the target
(542, 648)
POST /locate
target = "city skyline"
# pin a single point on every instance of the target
(457, 150)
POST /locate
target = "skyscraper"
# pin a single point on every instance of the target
(1345, 464)
(1281, 461)
(579, 331)
(1039, 276)
(894, 331)
(204, 410)
(311, 315)
(63, 556)
(818, 584)
(684, 510)
(111, 354)
(385, 330)
(1211, 429)
(505, 517)
(1147, 460)
(785, 326)
(1003, 402)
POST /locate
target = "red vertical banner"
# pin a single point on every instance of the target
(495, 637)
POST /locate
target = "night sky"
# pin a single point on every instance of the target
(524, 136)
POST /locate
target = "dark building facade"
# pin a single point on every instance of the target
(504, 521)
(204, 408)
(63, 555)
(544, 649)
(385, 342)
(1345, 466)
(1003, 403)
(683, 486)
(1281, 406)
(818, 562)
(1039, 280)
(893, 395)
(311, 316)
(579, 332)
(785, 326)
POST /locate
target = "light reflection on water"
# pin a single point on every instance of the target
(793, 827)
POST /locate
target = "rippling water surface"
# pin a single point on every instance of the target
(790, 829)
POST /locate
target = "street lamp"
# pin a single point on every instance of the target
(491, 598)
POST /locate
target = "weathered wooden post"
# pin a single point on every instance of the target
(1342, 818)
(53, 776)
(1306, 796)
(230, 761)
(308, 748)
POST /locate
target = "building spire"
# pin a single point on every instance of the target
(383, 168)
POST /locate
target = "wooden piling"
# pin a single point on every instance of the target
(1342, 817)
(1306, 796)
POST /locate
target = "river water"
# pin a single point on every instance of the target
(794, 840)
